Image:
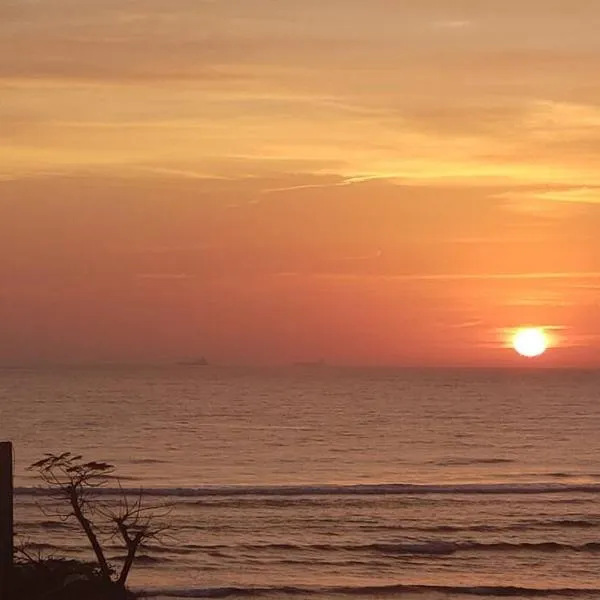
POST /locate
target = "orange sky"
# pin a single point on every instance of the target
(265, 181)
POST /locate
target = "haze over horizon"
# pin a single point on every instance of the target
(270, 181)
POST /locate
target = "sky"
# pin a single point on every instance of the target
(381, 182)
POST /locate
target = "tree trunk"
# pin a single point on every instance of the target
(91, 535)
(132, 547)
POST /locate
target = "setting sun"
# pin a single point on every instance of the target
(530, 342)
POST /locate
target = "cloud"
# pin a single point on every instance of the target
(452, 24)
(361, 257)
(579, 195)
(475, 323)
(329, 182)
(558, 203)
(165, 276)
(447, 277)
(227, 88)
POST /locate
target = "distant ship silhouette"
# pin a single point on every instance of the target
(197, 362)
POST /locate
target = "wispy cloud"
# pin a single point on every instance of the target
(165, 276)
(583, 195)
(308, 186)
(453, 24)
(362, 257)
(552, 203)
(442, 277)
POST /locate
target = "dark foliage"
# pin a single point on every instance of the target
(59, 579)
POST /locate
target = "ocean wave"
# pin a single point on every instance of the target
(48, 525)
(445, 548)
(519, 526)
(428, 548)
(143, 559)
(384, 590)
(570, 523)
(527, 525)
(344, 490)
(459, 461)
(43, 547)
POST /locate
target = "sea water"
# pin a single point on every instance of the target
(327, 482)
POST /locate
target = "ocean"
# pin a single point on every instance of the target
(321, 482)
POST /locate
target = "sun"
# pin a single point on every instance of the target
(530, 342)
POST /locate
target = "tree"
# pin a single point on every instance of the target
(128, 520)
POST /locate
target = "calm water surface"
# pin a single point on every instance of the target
(331, 482)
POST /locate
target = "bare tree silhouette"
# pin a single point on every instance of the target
(127, 519)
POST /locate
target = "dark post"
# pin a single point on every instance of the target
(6, 519)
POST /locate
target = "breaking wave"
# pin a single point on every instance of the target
(389, 590)
(349, 490)
(433, 548)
